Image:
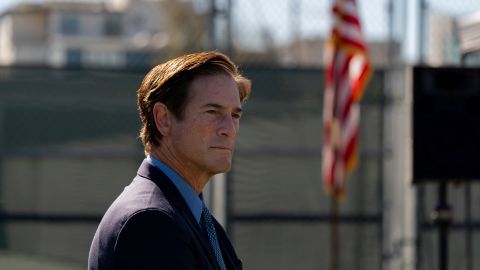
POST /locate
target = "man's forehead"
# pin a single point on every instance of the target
(215, 89)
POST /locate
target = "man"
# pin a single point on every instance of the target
(190, 109)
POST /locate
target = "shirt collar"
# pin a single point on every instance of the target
(194, 201)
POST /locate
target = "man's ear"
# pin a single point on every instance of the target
(162, 115)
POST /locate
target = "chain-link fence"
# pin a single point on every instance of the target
(69, 146)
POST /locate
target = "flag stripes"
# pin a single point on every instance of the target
(348, 71)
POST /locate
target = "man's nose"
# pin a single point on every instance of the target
(228, 126)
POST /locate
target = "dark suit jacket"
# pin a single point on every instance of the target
(149, 226)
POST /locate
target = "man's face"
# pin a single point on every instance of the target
(203, 140)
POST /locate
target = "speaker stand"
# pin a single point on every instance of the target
(442, 217)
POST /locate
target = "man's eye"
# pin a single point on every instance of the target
(236, 115)
(212, 112)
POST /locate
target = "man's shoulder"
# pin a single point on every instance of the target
(148, 220)
(140, 195)
(141, 207)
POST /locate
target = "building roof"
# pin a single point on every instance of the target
(35, 7)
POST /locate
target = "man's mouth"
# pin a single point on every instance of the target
(221, 148)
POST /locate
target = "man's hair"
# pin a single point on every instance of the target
(169, 84)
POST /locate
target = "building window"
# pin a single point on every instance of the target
(74, 58)
(138, 59)
(107, 59)
(70, 25)
(113, 25)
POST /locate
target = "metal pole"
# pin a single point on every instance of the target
(468, 229)
(421, 34)
(228, 17)
(229, 207)
(387, 84)
(468, 208)
(443, 233)
(3, 127)
(294, 29)
(334, 244)
(442, 216)
(211, 26)
(420, 219)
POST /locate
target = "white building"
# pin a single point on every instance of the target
(69, 34)
(468, 31)
(442, 43)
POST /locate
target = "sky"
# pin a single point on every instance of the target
(311, 18)
(315, 18)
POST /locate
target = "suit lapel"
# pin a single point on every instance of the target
(154, 174)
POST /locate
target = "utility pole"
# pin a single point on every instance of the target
(421, 34)
(295, 16)
(220, 21)
(442, 216)
(212, 44)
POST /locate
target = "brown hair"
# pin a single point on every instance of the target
(169, 83)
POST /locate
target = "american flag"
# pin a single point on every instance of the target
(348, 71)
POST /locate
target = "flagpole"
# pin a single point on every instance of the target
(347, 72)
(334, 244)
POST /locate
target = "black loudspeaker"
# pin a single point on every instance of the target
(446, 124)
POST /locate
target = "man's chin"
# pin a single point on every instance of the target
(222, 168)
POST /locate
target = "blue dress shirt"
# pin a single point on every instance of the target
(194, 201)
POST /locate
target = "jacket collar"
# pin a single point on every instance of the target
(150, 172)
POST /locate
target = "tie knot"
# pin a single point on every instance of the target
(204, 209)
(206, 218)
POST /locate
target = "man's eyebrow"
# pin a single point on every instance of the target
(218, 106)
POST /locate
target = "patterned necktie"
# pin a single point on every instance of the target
(206, 220)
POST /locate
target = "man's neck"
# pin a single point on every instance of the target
(196, 180)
